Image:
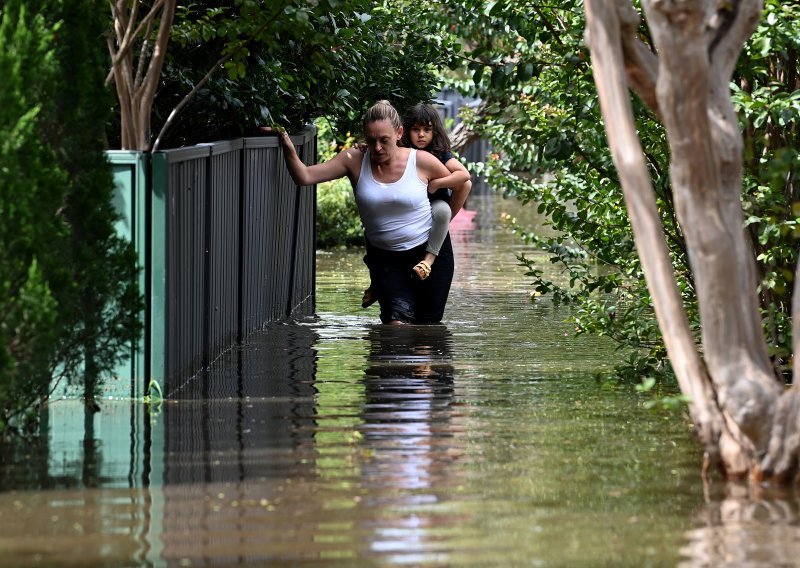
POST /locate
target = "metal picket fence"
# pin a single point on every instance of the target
(226, 241)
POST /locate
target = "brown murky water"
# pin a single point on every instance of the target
(496, 439)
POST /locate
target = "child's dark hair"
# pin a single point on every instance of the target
(426, 115)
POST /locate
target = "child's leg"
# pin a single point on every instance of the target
(440, 209)
(441, 212)
(370, 296)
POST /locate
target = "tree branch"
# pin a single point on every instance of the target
(547, 23)
(641, 64)
(150, 81)
(185, 100)
(732, 24)
(219, 63)
(138, 76)
(127, 40)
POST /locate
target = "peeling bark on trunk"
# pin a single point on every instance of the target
(462, 137)
(744, 419)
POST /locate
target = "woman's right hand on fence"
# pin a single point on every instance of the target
(280, 132)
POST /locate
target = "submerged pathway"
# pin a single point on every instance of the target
(496, 439)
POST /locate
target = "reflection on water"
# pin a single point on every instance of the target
(412, 434)
(251, 416)
(407, 410)
(496, 439)
(737, 528)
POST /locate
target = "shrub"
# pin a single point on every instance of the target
(338, 223)
(68, 297)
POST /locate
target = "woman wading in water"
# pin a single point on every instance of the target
(391, 185)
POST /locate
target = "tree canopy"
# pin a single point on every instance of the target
(728, 322)
(530, 66)
(230, 68)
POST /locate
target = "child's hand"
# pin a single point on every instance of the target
(360, 146)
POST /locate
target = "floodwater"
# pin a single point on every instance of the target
(496, 439)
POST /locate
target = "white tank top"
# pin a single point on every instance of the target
(397, 215)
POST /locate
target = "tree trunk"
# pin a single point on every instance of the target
(136, 79)
(745, 421)
(462, 137)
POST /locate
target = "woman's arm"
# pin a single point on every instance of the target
(458, 176)
(346, 163)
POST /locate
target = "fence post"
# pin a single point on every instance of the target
(156, 334)
(129, 170)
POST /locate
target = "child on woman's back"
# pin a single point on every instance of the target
(423, 130)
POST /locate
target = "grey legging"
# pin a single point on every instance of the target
(440, 210)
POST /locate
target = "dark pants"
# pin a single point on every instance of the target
(401, 294)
